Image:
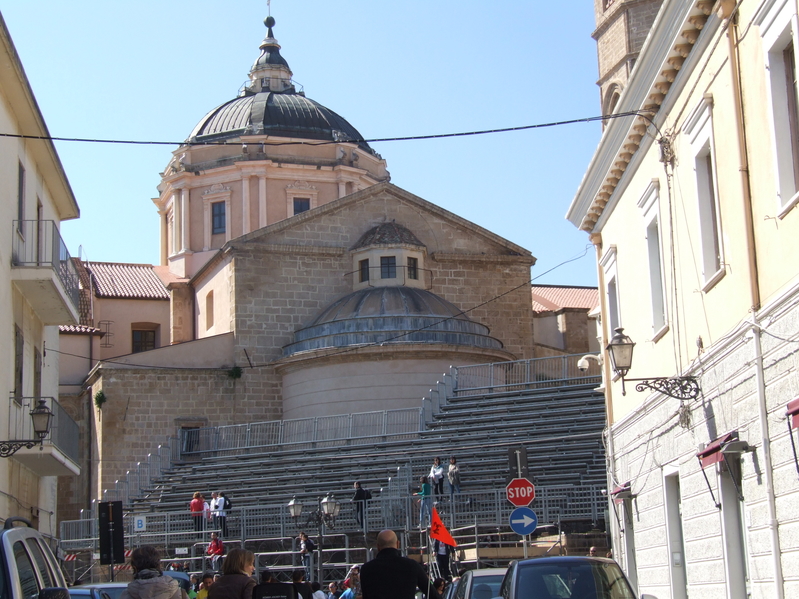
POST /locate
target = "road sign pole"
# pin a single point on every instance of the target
(518, 464)
(525, 546)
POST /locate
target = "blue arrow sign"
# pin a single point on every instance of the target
(523, 521)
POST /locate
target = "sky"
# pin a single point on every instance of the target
(149, 70)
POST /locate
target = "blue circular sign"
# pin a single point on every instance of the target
(523, 521)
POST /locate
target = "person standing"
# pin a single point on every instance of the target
(237, 580)
(149, 581)
(216, 549)
(223, 505)
(390, 575)
(425, 503)
(196, 507)
(302, 588)
(436, 477)
(306, 550)
(360, 501)
(443, 553)
(454, 478)
(205, 585)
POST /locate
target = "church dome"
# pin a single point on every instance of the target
(391, 315)
(270, 105)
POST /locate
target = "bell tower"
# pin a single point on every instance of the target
(621, 29)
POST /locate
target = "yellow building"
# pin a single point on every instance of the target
(38, 289)
(690, 201)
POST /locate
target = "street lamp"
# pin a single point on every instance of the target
(620, 350)
(42, 417)
(324, 515)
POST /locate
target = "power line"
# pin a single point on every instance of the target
(323, 143)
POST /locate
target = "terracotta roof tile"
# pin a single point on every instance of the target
(126, 281)
(551, 298)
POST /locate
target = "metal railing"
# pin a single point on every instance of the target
(521, 375)
(177, 529)
(64, 430)
(38, 243)
(324, 431)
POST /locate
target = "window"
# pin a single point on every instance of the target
(209, 310)
(777, 21)
(363, 270)
(732, 524)
(20, 197)
(37, 372)
(19, 356)
(48, 579)
(388, 267)
(143, 341)
(708, 212)
(699, 129)
(301, 205)
(413, 268)
(608, 264)
(217, 218)
(26, 572)
(649, 203)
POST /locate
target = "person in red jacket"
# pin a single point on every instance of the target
(197, 509)
(216, 549)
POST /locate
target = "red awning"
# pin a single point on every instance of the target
(711, 454)
(793, 413)
(621, 492)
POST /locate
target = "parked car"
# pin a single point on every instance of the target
(28, 569)
(83, 592)
(480, 584)
(99, 590)
(566, 578)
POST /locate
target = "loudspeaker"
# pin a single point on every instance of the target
(111, 529)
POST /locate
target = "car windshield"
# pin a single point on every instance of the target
(573, 580)
(486, 587)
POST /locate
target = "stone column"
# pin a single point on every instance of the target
(262, 221)
(245, 204)
(342, 189)
(164, 236)
(184, 220)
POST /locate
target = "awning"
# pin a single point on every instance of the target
(622, 492)
(711, 454)
(793, 413)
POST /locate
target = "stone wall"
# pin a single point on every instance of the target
(145, 407)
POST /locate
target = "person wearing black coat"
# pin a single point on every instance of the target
(390, 575)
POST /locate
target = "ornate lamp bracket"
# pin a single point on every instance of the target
(680, 387)
(9, 448)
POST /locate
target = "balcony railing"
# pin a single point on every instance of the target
(38, 243)
(63, 430)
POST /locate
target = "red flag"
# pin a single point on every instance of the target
(439, 532)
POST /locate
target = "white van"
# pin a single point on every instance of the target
(28, 569)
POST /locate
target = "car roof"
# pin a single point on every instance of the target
(559, 559)
(488, 572)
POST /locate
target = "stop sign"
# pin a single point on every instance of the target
(520, 492)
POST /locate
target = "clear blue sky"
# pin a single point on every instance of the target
(150, 70)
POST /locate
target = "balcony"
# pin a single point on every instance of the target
(58, 455)
(43, 271)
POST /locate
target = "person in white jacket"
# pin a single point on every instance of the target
(436, 477)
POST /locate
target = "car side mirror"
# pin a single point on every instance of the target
(54, 593)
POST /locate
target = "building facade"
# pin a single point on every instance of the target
(38, 290)
(691, 205)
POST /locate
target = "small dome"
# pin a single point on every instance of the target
(387, 234)
(391, 315)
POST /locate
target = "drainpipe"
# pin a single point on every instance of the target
(762, 412)
(728, 10)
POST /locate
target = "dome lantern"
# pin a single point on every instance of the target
(270, 72)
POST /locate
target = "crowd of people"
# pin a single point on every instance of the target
(431, 487)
